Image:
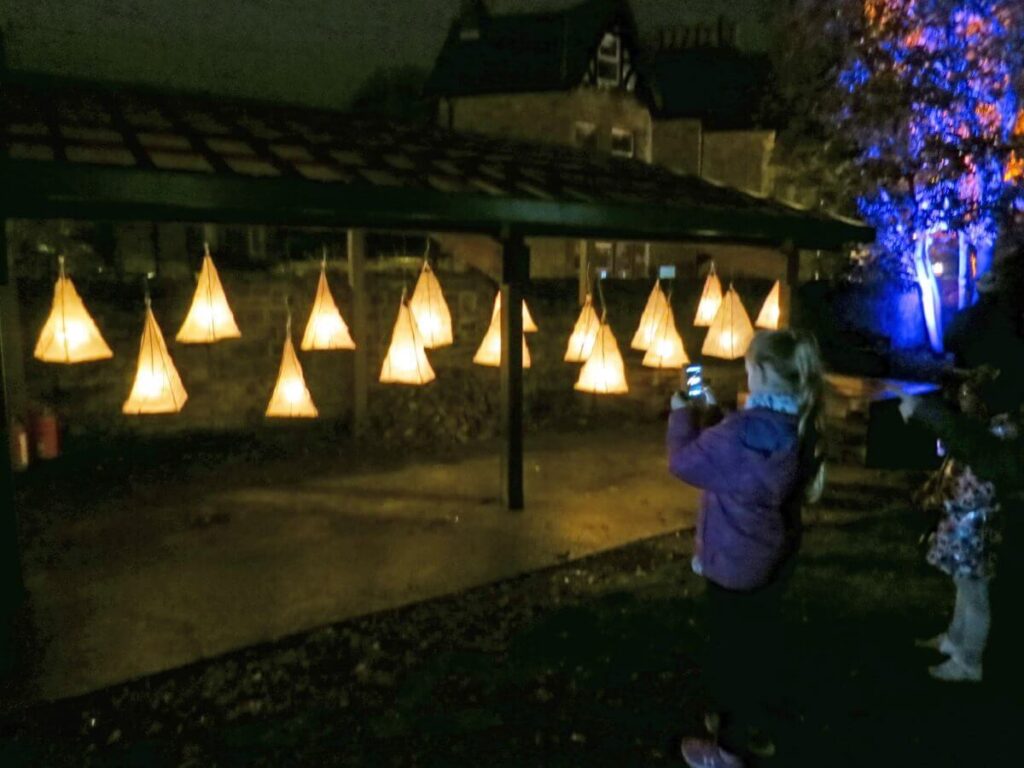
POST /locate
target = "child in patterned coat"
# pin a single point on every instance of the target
(963, 546)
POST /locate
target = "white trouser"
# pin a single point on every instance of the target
(968, 632)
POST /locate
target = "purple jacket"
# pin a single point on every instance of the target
(749, 468)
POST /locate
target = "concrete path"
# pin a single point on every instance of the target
(139, 587)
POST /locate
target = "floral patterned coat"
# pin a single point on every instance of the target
(965, 540)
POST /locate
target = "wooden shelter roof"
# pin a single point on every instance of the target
(85, 150)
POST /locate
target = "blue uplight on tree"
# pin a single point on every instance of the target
(930, 103)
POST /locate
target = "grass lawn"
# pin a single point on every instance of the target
(594, 663)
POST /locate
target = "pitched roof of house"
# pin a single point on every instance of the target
(84, 150)
(526, 52)
(723, 87)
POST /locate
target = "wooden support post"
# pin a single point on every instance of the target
(11, 588)
(357, 281)
(583, 267)
(514, 277)
(788, 286)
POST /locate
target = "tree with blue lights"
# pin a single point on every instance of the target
(929, 100)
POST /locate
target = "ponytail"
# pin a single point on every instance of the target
(793, 356)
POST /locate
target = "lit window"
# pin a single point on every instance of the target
(622, 142)
(609, 61)
(667, 272)
(585, 135)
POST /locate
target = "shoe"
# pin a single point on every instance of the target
(952, 671)
(940, 643)
(705, 754)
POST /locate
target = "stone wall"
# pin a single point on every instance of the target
(551, 118)
(677, 145)
(740, 159)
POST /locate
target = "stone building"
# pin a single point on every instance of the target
(581, 76)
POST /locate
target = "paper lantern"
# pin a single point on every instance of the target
(666, 349)
(209, 319)
(710, 300)
(406, 361)
(655, 308)
(326, 329)
(430, 310)
(731, 332)
(157, 387)
(584, 334)
(604, 373)
(489, 352)
(768, 317)
(69, 334)
(528, 325)
(291, 398)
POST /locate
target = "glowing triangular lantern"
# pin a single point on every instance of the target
(528, 325)
(157, 387)
(430, 310)
(768, 317)
(666, 349)
(656, 305)
(69, 334)
(584, 334)
(326, 329)
(604, 373)
(291, 398)
(406, 361)
(710, 300)
(209, 319)
(489, 352)
(731, 332)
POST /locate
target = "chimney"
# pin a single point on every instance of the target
(472, 14)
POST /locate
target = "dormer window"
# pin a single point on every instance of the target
(609, 61)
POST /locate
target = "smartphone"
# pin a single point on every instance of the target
(694, 381)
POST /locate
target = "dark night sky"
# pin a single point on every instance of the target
(309, 51)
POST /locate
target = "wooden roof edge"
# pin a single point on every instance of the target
(43, 189)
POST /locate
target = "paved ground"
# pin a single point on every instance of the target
(597, 662)
(166, 570)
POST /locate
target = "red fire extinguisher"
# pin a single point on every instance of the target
(45, 434)
(19, 446)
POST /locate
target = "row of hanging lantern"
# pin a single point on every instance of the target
(424, 322)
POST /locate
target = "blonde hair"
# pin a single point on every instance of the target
(794, 359)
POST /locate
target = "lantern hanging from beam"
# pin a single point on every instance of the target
(406, 361)
(731, 332)
(291, 398)
(710, 300)
(489, 352)
(157, 387)
(528, 325)
(649, 320)
(430, 310)
(209, 319)
(666, 349)
(604, 373)
(584, 334)
(69, 334)
(326, 329)
(768, 317)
